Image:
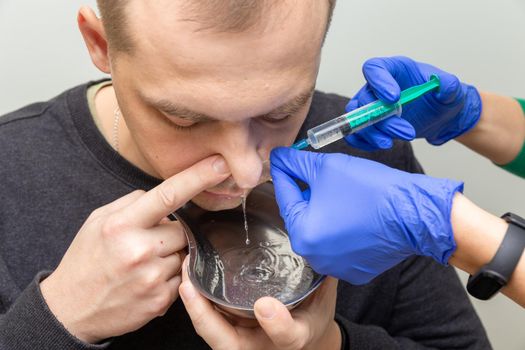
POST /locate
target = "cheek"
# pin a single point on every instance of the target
(168, 150)
(175, 152)
(170, 158)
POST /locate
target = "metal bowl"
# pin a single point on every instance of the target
(233, 274)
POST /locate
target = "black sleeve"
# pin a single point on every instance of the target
(412, 165)
(452, 323)
(431, 311)
(29, 324)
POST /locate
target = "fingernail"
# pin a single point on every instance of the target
(187, 291)
(220, 166)
(266, 309)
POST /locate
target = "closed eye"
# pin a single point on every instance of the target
(180, 123)
(275, 119)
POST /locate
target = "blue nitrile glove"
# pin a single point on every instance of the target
(438, 116)
(359, 218)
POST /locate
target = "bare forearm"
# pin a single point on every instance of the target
(500, 133)
(478, 235)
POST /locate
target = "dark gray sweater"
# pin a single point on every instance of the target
(55, 168)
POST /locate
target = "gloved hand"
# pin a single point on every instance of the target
(438, 116)
(359, 218)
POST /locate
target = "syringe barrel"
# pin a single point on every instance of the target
(350, 123)
(329, 132)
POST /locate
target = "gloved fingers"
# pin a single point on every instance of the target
(375, 138)
(357, 141)
(396, 127)
(364, 96)
(387, 76)
(450, 89)
(287, 192)
(367, 140)
(306, 194)
(286, 165)
(380, 74)
(353, 104)
(296, 164)
(381, 138)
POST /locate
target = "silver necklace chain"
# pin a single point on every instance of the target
(116, 121)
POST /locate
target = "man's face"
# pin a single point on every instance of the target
(187, 94)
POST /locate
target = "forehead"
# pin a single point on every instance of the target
(279, 53)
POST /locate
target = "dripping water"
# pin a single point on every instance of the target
(245, 219)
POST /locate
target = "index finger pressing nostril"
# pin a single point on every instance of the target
(174, 192)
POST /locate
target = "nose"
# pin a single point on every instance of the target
(239, 147)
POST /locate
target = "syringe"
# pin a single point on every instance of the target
(360, 118)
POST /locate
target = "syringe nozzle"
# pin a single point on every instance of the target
(302, 144)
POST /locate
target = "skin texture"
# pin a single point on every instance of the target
(478, 234)
(248, 92)
(238, 79)
(500, 133)
(499, 136)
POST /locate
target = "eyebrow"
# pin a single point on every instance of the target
(171, 109)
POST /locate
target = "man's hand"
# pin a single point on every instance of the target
(310, 326)
(123, 267)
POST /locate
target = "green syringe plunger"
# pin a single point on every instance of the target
(360, 118)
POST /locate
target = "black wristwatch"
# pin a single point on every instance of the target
(496, 274)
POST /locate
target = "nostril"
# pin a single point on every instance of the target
(250, 181)
(248, 185)
(249, 170)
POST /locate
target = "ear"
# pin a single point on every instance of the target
(95, 38)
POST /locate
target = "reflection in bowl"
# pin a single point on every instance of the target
(234, 275)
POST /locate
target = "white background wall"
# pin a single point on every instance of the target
(482, 41)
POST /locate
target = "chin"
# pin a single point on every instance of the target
(211, 202)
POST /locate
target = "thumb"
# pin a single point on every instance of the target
(450, 89)
(380, 73)
(278, 324)
(300, 165)
(287, 165)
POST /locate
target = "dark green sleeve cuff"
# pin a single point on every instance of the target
(517, 166)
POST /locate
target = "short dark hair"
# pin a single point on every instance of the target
(220, 15)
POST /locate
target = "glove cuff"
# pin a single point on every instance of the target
(434, 206)
(467, 118)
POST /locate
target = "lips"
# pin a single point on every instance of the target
(226, 194)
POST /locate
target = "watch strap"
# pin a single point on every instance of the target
(509, 252)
